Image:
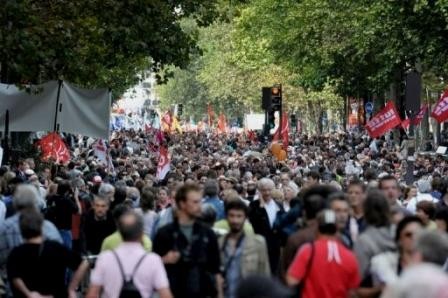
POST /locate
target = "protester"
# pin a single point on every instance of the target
(147, 204)
(38, 266)
(356, 192)
(431, 247)
(338, 203)
(242, 254)
(189, 249)
(324, 260)
(426, 212)
(181, 231)
(114, 240)
(61, 208)
(441, 219)
(97, 224)
(262, 215)
(211, 189)
(256, 286)
(25, 199)
(388, 266)
(129, 264)
(314, 201)
(377, 238)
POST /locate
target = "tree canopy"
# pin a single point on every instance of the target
(322, 51)
(96, 43)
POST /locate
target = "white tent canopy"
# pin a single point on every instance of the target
(56, 105)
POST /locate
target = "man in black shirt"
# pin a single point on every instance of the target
(61, 208)
(97, 224)
(39, 267)
(189, 249)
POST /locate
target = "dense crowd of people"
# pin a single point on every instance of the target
(342, 216)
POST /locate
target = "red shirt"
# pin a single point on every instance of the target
(333, 272)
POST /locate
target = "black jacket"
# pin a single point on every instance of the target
(94, 231)
(259, 219)
(193, 275)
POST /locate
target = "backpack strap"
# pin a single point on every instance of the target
(138, 265)
(121, 266)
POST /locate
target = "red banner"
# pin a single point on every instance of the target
(406, 123)
(284, 131)
(440, 112)
(383, 121)
(54, 148)
(419, 117)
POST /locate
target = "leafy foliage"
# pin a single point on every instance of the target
(96, 42)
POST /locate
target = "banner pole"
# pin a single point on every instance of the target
(5, 159)
(55, 125)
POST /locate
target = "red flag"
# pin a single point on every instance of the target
(419, 117)
(251, 136)
(211, 114)
(53, 147)
(163, 167)
(383, 121)
(284, 131)
(440, 112)
(222, 123)
(406, 123)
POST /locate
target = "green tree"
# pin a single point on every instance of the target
(93, 42)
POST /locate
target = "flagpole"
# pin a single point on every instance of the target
(58, 107)
(5, 140)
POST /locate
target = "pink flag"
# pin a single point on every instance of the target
(440, 112)
(163, 166)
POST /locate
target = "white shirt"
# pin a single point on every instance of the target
(271, 209)
(412, 204)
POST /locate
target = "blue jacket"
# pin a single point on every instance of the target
(217, 204)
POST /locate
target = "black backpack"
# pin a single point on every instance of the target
(129, 290)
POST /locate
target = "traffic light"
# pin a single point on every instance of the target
(276, 98)
(180, 108)
(271, 119)
(275, 104)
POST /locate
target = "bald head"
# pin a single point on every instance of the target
(130, 226)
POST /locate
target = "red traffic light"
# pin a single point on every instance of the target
(275, 91)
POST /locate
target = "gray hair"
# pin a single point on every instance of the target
(433, 246)
(293, 186)
(422, 280)
(26, 197)
(105, 189)
(266, 182)
(424, 186)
